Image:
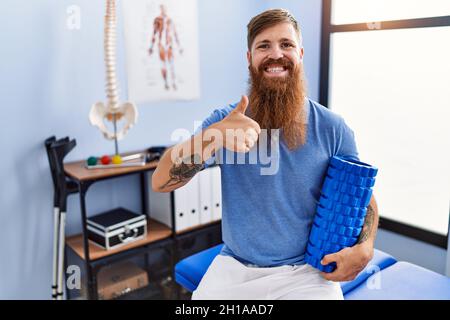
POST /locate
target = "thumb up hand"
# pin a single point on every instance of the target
(239, 131)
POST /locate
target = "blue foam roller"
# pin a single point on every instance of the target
(341, 210)
(351, 190)
(326, 202)
(369, 183)
(333, 173)
(314, 234)
(337, 163)
(359, 181)
(334, 238)
(342, 241)
(315, 254)
(324, 213)
(356, 170)
(338, 208)
(328, 186)
(318, 243)
(357, 222)
(373, 172)
(344, 231)
(329, 247)
(325, 236)
(348, 221)
(348, 168)
(347, 161)
(356, 212)
(351, 211)
(315, 251)
(364, 172)
(339, 219)
(362, 213)
(365, 199)
(353, 232)
(316, 263)
(351, 179)
(321, 222)
(335, 197)
(349, 200)
(359, 192)
(318, 234)
(337, 229)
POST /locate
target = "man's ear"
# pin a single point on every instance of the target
(249, 58)
(301, 53)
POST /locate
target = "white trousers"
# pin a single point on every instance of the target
(229, 279)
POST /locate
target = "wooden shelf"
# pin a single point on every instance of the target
(155, 231)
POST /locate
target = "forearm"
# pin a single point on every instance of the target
(369, 231)
(351, 261)
(182, 162)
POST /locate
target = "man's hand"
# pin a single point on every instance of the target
(239, 131)
(349, 262)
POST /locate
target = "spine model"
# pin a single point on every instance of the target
(113, 110)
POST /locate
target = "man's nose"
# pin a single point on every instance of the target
(275, 53)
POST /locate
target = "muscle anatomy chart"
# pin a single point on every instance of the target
(161, 38)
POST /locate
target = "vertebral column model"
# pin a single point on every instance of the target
(113, 110)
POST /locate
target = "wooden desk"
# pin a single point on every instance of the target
(78, 171)
(90, 253)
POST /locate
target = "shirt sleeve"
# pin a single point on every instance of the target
(216, 116)
(346, 146)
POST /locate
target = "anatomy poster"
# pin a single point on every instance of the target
(161, 38)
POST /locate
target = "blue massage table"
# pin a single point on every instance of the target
(395, 280)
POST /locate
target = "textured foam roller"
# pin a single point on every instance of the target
(340, 213)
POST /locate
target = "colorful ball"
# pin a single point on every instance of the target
(105, 160)
(92, 161)
(117, 159)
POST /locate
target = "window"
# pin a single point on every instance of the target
(390, 81)
(354, 11)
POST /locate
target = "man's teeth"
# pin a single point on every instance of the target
(275, 69)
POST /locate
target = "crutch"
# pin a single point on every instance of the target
(56, 151)
(51, 160)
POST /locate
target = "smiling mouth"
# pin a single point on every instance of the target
(275, 69)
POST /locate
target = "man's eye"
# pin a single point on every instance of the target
(263, 46)
(287, 45)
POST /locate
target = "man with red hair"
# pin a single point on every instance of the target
(267, 218)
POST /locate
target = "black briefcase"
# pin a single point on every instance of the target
(116, 228)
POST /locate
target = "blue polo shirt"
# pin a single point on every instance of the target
(269, 198)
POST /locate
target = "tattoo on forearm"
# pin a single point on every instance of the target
(184, 170)
(368, 224)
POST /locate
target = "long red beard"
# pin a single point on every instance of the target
(279, 103)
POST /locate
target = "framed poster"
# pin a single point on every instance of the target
(161, 41)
